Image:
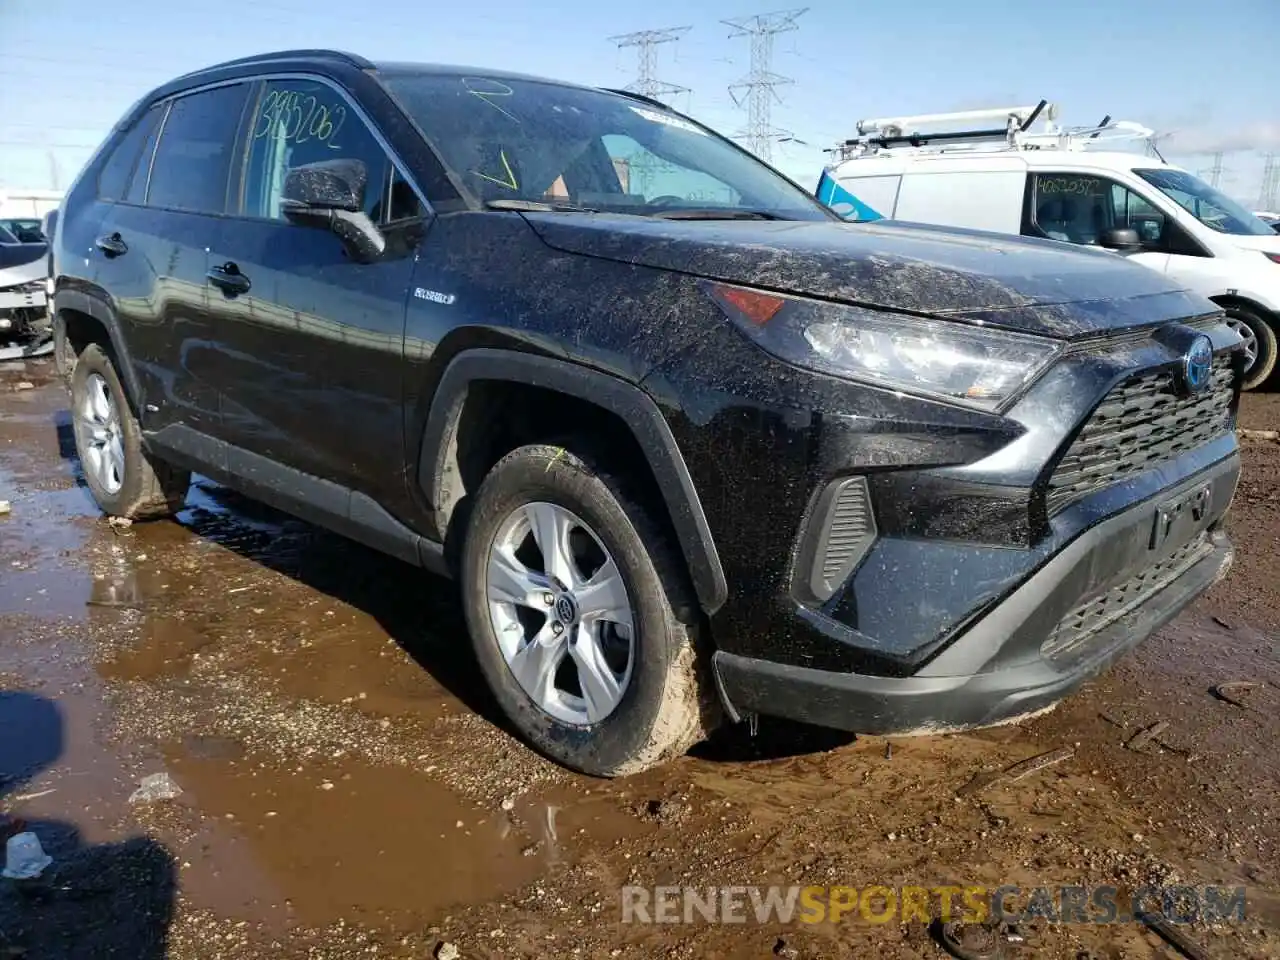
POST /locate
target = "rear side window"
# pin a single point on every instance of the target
(192, 160)
(113, 181)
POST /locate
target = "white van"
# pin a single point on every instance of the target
(1066, 185)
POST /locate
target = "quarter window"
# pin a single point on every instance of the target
(113, 181)
(193, 158)
(296, 122)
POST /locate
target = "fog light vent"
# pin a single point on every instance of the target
(842, 530)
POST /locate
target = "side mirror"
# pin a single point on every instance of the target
(330, 193)
(1124, 239)
(327, 185)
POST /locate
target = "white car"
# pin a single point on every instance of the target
(1058, 184)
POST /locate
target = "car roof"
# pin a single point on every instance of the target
(339, 61)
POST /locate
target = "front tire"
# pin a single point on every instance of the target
(125, 480)
(1260, 344)
(570, 593)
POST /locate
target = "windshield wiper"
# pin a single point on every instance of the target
(536, 206)
(716, 213)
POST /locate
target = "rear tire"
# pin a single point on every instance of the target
(125, 480)
(658, 704)
(1250, 324)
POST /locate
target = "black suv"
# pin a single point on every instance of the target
(692, 446)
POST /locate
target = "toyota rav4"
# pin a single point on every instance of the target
(692, 447)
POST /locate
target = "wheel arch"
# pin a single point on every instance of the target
(77, 318)
(440, 471)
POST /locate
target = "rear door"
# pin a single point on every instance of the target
(311, 341)
(154, 248)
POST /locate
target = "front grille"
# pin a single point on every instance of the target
(1142, 423)
(1074, 631)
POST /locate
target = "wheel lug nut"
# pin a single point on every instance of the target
(548, 599)
(557, 627)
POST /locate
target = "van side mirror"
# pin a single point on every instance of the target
(1124, 239)
(330, 194)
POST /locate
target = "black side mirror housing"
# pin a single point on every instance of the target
(1124, 239)
(330, 194)
(327, 185)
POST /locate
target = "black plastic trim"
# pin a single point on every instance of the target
(100, 311)
(995, 670)
(626, 401)
(331, 505)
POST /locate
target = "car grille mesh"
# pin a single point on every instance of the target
(1142, 423)
(1074, 631)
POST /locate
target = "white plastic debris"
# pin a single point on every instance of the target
(157, 786)
(5, 507)
(24, 858)
(447, 951)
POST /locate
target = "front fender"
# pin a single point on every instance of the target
(626, 401)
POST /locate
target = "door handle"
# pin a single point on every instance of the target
(112, 245)
(229, 279)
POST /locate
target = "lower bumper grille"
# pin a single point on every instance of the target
(1072, 634)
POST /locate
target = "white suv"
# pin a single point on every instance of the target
(1052, 185)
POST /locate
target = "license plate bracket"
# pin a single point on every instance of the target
(1180, 518)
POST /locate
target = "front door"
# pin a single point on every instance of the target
(311, 341)
(1077, 207)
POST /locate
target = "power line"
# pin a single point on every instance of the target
(1269, 197)
(646, 43)
(760, 85)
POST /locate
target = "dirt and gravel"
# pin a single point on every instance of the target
(349, 790)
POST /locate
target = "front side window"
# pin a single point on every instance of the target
(297, 122)
(113, 181)
(1210, 206)
(1079, 207)
(193, 158)
(527, 140)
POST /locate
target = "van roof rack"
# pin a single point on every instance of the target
(896, 136)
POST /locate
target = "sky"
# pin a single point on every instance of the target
(1206, 73)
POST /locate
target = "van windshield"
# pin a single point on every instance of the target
(1210, 206)
(512, 140)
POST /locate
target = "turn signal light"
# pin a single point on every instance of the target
(1273, 257)
(755, 306)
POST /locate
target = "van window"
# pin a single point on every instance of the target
(296, 122)
(113, 180)
(1078, 207)
(193, 158)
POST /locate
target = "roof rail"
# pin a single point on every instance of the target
(632, 95)
(903, 135)
(351, 59)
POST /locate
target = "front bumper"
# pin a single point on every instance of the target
(1098, 597)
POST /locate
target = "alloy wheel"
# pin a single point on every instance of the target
(101, 436)
(561, 612)
(1250, 344)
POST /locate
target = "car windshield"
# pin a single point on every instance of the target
(532, 141)
(27, 231)
(1210, 206)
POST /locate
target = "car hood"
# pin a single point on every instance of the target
(1037, 286)
(1266, 244)
(13, 254)
(23, 273)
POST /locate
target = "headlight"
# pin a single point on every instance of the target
(976, 365)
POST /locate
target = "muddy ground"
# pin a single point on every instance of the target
(348, 788)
